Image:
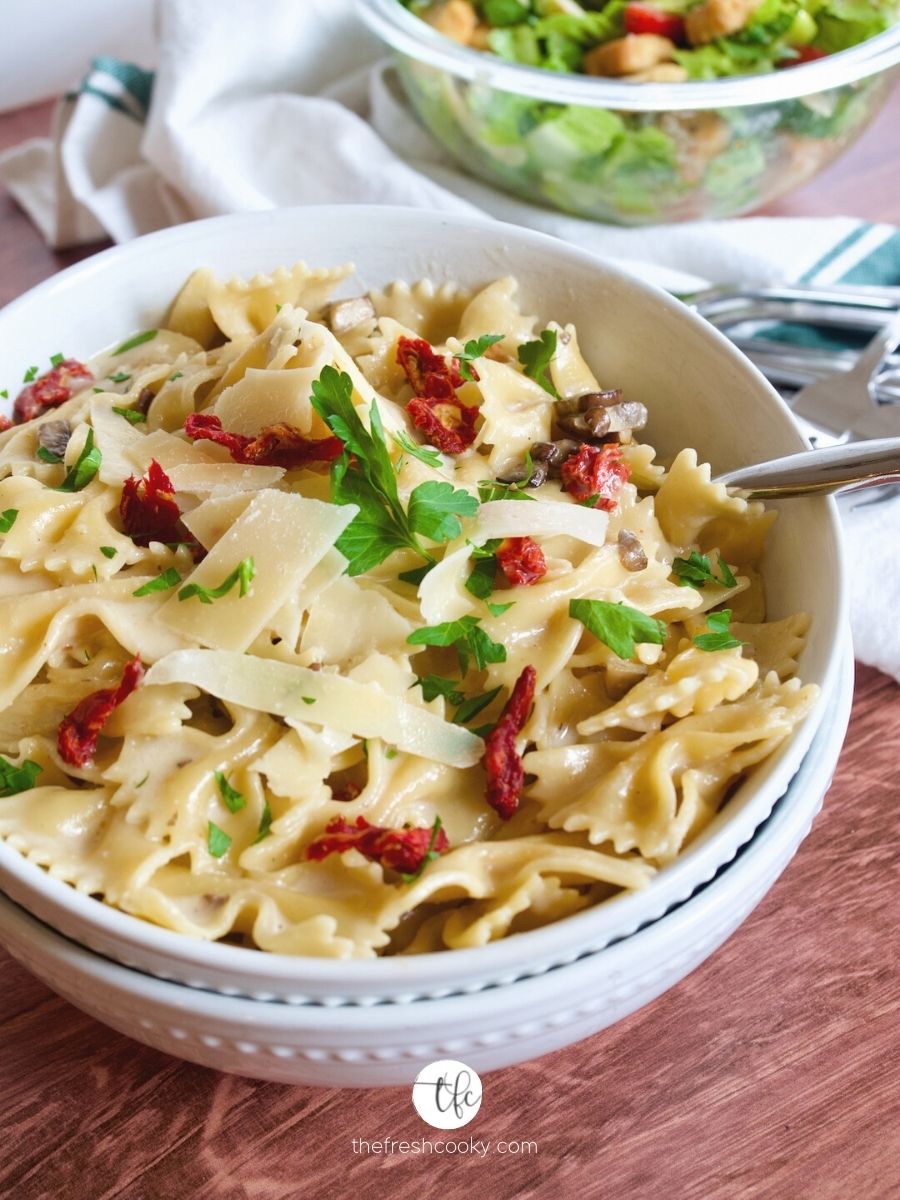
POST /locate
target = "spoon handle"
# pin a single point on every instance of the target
(843, 468)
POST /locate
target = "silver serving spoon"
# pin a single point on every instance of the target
(836, 469)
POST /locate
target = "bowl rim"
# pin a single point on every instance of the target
(368, 976)
(788, 822)
(413, 37)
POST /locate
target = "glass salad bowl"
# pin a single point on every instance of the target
(636, 154)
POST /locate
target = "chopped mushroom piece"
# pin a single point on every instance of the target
(345, 315)
(715, 19)
(631, 553)
(626, 55)
(54, 436)
(456, 19)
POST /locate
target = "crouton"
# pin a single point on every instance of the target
(629, 54)
(455, 19)
(716, 18)
(667, 72)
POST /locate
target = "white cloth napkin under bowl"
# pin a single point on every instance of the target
(292, 102)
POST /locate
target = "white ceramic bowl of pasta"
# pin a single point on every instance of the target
(699, 390)
(388, 1044)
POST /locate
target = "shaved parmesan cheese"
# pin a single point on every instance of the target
(442, 594)
(286, 536)
(364, 710)
(516, 518)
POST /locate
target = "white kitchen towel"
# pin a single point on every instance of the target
(294, 104)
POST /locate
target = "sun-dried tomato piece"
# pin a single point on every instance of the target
(400, 849)
(448, 424)
(502, 762)
(521, 560)
(50, 390)
(5, 423)
(149, 510)
(77, 735)
(599, 471)
(275, 446)
(430, 375)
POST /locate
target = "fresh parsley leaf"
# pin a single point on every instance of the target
(435, 685)
(131, 415)
(493, 489)
(415, 576)
(98, 389)
(426, 454)
(308, 699)
(138, 340)
(177, 375)
(535, 357)
(30, 375)
(430, 854)
(497, 610)
(119, 377)
(8, 519)
(242, 574)
(161, 583)
(4, 395)
(265, 824)
(48, 456)
(217, 840)
(469, 709)
(475, 349)
(617, 625)
(696, 571)
(487, 549)
(232, 799)
(481, 578)
(15, 779)
(86, 467)
(108, 551)
(143, 781)
(468, 638)
(434, 509)
(390, 752)
(56, 360)
(721, 637)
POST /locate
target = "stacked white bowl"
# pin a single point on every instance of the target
(365, 1023)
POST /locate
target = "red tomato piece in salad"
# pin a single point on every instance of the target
(404, 850)
(51, 389)
(79, 732)
(502, 762)
(647, 18)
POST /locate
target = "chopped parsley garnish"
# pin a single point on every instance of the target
(721, 637)
(415, 576)
(177, 375)
(308, 699)
(131, 415)
(475, 349)
(15, 779)
(232, 799)
(162, 583)
(141, 783)
(469, 709)
(265, 824)
(390, 752)
(382, 525)
(86, 467)
(468, 638)
(535, 357)
(617, 625)
(108, 551)
(217, 840)
(425, 454)
(429, 856)
(242, 574)
(696, 571)
(138, 340)
(4, 394)
(119, 377)
(493, 489)
(48, 456)
(30, 375)
(481, 579)
(435, 685)
(8, 519)
(98, 389)
(56, 360)
(497, 610)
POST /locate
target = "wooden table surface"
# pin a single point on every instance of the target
(769, 1072)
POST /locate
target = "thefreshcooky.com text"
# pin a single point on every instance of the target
(471, 1146)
